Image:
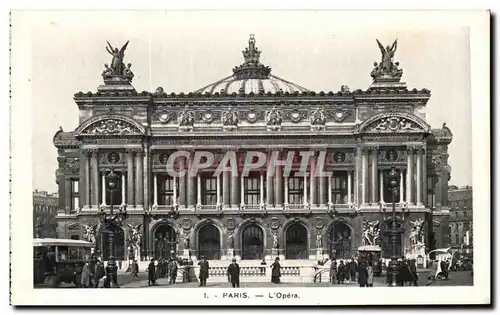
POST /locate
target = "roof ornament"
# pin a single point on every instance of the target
(117, 71)
(251, 68)
(387, 70)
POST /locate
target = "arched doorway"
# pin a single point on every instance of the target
(339, 240)
(386, 244)
(252, 242)
(164, 242)
(118, 243)
(296, 242)
(209, 242)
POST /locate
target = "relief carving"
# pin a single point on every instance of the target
(371, 232)
(111, 127)
(393, 124)
(274, 120)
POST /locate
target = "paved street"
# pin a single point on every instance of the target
(461, 278)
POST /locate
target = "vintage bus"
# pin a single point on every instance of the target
(59, 260)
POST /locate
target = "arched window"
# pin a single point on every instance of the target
(164, 242)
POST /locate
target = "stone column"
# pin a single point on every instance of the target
(218, 190)
(83, 181)
(305, 191)
(269, 191)
(349, 189)
(191, 186)
(285, 195)
(313, 201)
(381, 187)
(330, 203)
(155, 190)
(95, 179)
(278, 186)
(139, 193)
(321, 196)
(103, 190)
(174, 191)
(374, 180)
(358, 175)
(123, 188)
(401, 187)
(409, 177)
(419, 177)
(68, 190)
(130, 177)
(198, 190)
(364, 177)
(182, 182)
(242, 191)
(261, 184)
(235, 191)
(226, 181)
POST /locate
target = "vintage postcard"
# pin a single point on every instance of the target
(250, 157)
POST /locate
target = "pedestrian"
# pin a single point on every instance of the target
(204, 266)
(172, 271)
(369, 274)
(120, 264)
(413, 273)
(341, 272)
(86, 276)
(444, 269)
(99, 272)
(362, 275)
(276, 271)
(134, 268)
(333, 271)
(353, 266)
(152, 273)
(433, 273)
(233, 274)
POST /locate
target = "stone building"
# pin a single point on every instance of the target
(357, 135)
(44, 214)
(460, 200)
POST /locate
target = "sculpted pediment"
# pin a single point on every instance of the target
(394, 122)
(111, 125)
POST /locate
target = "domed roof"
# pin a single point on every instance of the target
(252, 77)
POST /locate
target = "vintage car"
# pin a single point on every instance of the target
(59, 260)
(371, 253)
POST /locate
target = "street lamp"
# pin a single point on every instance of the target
(110, 221)
(393, 183)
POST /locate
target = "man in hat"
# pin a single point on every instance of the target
(233, 274)
(203, 271)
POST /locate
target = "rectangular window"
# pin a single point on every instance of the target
(296, 190)
(339, 187)
(431, 197)
(252, 189)
(209, 189)
(165, 190)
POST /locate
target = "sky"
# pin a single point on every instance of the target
(182, 51)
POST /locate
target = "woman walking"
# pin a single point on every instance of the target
(369, 274)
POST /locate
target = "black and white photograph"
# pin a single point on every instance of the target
(250, 157)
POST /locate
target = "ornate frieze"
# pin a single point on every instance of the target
(186, 120)
(393, 124)
(111, 127)
(230, 119)
(295, 116)
(164, 116)
(338, 115)
(317, 119)
(274, 119)
(341, 157)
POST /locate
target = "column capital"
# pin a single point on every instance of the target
(133, 150)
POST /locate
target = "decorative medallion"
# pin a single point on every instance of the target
(186, 224)
(275, 223)
(296, 116)
(113, 157)
(340, 116)
(208, 117)
(319, 223)
(252, 116)
(111, 127)
(391, 155)
(164, 117)
(231, 224)
(339, 157)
